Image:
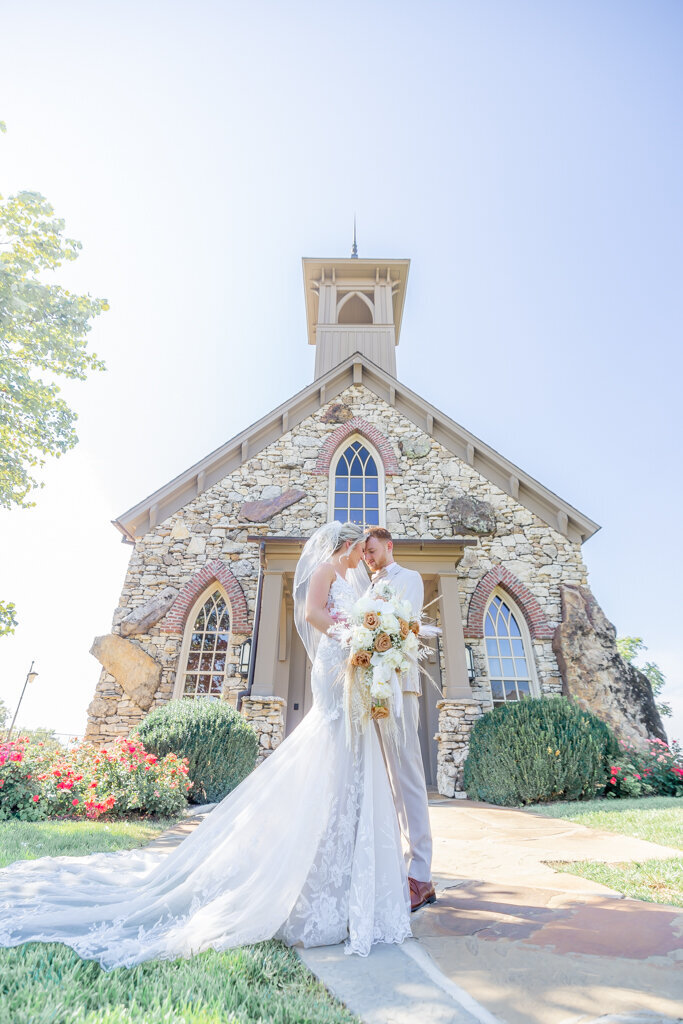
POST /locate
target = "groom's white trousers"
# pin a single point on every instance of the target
(407, 777)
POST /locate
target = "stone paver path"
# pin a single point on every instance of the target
(512, 941)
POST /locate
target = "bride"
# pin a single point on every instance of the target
(306, 849)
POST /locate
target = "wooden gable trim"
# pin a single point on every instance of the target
(549, 507)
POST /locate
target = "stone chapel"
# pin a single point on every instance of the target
(206, 606)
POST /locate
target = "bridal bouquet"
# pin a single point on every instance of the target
(382, 636)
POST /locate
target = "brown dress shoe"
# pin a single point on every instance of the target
(420, 894)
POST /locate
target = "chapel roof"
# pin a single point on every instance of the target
(356, 369)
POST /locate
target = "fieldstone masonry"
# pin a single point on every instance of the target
(456, 720)
(266, 716)
(205, 542)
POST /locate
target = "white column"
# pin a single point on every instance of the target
(457, 682)
(268, 647)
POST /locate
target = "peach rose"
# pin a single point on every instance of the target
(371, 620)
(415, 627)
(404, 628)
(361, 659)
(383, 643)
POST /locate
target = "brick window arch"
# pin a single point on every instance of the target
(203, 662)
(357, 425)
(499, 576)
(356, 489)
(215, 570)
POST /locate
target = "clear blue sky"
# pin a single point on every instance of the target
(526, 156)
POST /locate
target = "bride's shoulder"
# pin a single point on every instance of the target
(324, 575)
(325, 571)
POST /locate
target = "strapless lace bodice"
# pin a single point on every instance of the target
(327, 672)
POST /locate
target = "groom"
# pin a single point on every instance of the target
(406, 770)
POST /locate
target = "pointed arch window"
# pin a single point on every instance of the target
(204, 656)
(357, 484)
(508, 651)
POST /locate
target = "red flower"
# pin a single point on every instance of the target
(613, 780)
(36, 799)
(75, 803)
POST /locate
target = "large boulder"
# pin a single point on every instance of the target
(471, 515)
(137, 673)
(415, 448)
(595, 674)
(338, 412)
(149, 613)
(264, 509)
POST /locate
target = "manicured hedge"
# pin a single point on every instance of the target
(537, 750)
(219, 744)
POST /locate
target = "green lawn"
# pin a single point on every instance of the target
(25, 840)
(50, 984)
(658, 819)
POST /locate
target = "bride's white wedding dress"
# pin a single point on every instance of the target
(306, 849)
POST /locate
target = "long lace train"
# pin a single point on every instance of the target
(306, 849)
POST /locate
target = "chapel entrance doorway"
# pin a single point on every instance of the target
(282, 667)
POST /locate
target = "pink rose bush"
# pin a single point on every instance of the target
(88, 782)
(656, 769)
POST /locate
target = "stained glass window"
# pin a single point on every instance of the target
(507, 659)
(207, 657)
(356, 487)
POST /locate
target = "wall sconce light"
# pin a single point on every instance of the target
(245, 657)
(469, 657)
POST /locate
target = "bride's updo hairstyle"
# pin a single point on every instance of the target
(349, 531)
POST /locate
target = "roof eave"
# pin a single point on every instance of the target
(183, 488)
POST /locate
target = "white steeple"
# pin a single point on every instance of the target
(354, 305)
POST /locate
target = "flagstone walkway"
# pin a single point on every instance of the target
(510, 940)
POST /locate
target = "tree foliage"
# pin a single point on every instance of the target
(8, 620)
(43, 335)
(629, 648)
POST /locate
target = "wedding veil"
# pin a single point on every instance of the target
(319, 548)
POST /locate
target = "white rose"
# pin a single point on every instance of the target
(362, 638)
(393, 657)
(389, 622)
(380, 690)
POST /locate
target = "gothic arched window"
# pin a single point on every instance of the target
(204, 656)
(356, 485)
(508, 651)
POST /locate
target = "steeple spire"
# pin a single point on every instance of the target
(354, 247)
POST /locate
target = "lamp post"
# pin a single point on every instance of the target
(30, 676)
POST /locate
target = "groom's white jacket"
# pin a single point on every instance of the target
(409, 586)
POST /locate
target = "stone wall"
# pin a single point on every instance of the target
(456, 721)
(417, 505)
(266, 715)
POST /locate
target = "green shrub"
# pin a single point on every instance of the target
(537, 750)
(219, 744)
